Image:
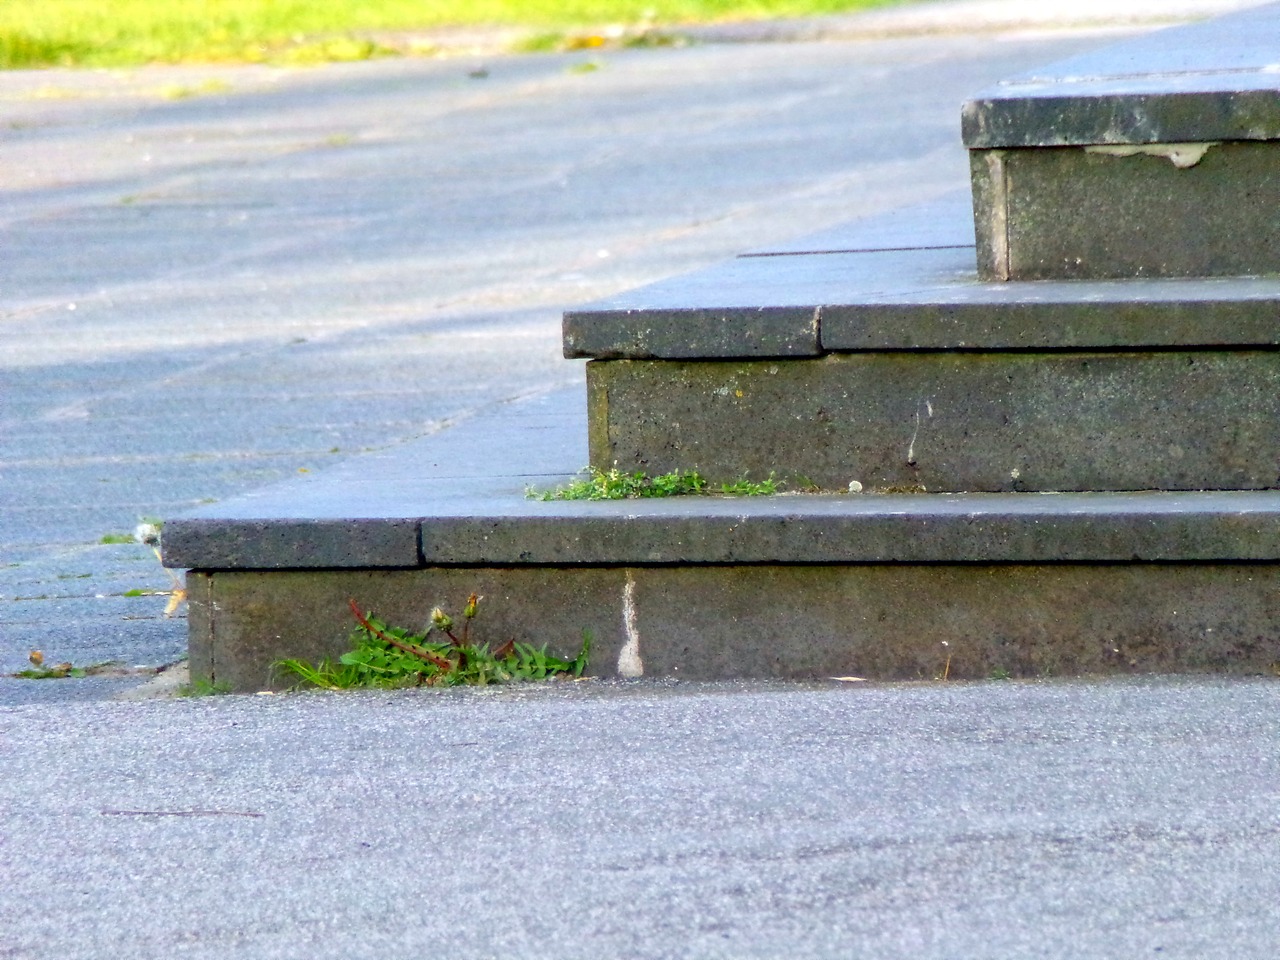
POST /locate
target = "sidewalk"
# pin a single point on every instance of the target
(650, 821)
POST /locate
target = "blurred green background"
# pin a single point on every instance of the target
(42, 33)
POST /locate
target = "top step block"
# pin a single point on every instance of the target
(1158, 157)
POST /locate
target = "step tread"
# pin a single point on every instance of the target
(803, 305)
(944, 221)
(1209, 81)
(459, 499)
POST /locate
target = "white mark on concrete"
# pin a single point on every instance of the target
(629, 663)
(1181, 155)
(911, 447)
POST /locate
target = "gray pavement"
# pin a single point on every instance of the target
(1012, 820)
(214, 278)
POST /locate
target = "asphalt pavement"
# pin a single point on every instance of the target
(644, 820)
(214, 278)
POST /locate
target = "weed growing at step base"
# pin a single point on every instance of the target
(39, 670)
(615, 484)
(747, 488)
(203, 688)
(390, 657)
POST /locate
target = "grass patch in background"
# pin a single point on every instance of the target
(130, 32)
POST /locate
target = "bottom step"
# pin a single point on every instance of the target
(902, 587)
(877, 621)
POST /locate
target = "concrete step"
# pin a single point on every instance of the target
(890, 587)
(868, 358)
(854, 357)
(1156, 157)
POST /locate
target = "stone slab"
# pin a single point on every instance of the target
(713, 622)
(749, 309)
(866, 528)
(942, 222)
(964, 421)
(476, 521)
(924, 299)
(366, 512)
(1074, 213)
(664, 327)
(1210, 81)
(271, 543)
(503, 526)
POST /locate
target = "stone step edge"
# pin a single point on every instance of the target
(459, 498)
(503, 528)
(1203, 82)
(798, 306)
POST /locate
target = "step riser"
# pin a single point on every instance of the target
(880, 621)
(1178, 420)
(1073, 213)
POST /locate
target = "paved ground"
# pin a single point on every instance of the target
(1010, 820)
(215, 278)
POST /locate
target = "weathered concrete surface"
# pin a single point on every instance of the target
(853, 295)
(1076, 213)
(460, 499)
(943, 222)
(941, 422)
(243, 622)
(1059, 193)
(879, 621)
(1208, 81)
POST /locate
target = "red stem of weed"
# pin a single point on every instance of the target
(408, 648)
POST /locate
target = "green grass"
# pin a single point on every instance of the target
(40, 33)
(615, 484)
(204, 688)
